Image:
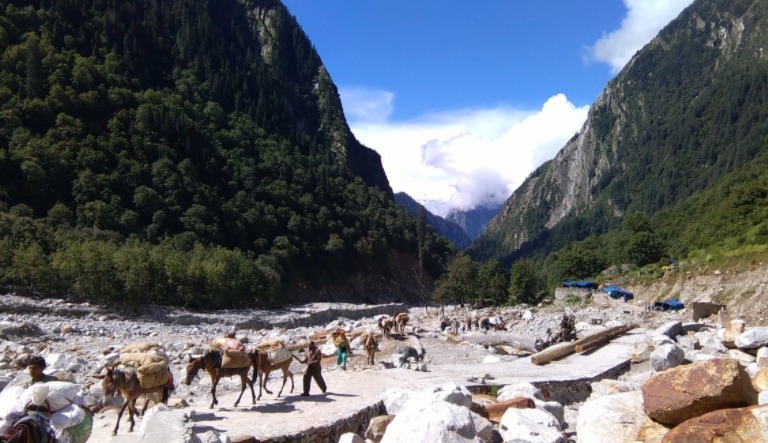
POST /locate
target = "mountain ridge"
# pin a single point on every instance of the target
(655, 137)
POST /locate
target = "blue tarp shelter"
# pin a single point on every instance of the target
(581, 284)
(616, 292)
(669, 305)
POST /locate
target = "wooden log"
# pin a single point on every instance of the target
(553, 352)
(580, 345)
(601, 337)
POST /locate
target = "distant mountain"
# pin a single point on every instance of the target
(447, 229)
(473, 221)
(678, 136)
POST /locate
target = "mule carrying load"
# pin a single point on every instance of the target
(276, 351)
(270, 355)
(233, 354)
(226, 357)
(142, 370)
(149, 362)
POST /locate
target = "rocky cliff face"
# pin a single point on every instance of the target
(279, 34)
(630, 153)
(473, 221)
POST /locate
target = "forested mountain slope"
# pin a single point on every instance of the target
(447, 229)
(187, 152)
(680, 135)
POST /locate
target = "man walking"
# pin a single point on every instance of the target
(313, 369)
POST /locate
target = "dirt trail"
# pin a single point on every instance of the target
(355, 389)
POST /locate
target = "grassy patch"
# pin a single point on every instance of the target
(573, 299)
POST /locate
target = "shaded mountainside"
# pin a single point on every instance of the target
(474, 220)
(185, 151)
(447, 229)
(678, 135)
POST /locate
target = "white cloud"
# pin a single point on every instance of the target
(466, 158)
(365, 104)
(644, 20)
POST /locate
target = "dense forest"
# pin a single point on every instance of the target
(188, 152)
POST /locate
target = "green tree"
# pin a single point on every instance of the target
(459, 283)
(524, 282)
(32, 267)
(493, 283)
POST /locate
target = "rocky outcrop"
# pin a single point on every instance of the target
(681, 393)
(739, 425)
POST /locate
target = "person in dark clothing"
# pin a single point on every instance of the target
(313, 369)
(35, 367)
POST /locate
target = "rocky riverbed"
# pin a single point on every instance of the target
(79, 339)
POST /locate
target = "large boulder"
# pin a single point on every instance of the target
(738, 425)
(531, 426)
(395, 399)
(617, 417)
(162, 424)
(667, 356)
(484, 427)
(438, 421)
(752, 338)
(684, 392)
(450, 392)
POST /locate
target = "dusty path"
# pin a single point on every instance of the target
(353, 390)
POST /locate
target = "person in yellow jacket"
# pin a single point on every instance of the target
(341, 342)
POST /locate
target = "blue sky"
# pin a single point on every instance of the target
(464, 99)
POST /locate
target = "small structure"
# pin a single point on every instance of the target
(668, 305)
(588, 285)
(616, 292)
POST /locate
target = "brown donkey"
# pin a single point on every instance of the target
(385, 325)
(118, 380)
(211, 363)
(262, 367)
(370, 346)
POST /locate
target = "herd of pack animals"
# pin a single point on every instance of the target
(117, 380)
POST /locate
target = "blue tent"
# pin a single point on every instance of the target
(616, 292)
(669, 305)
(580, 284)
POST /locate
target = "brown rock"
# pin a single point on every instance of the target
(650, 432)
(684, 392)
(243, 439)
(737, 425)
(178, 403)
(377, 427)
(497, 410)
(760, 380)
(733, 330)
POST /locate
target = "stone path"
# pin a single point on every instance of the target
(352, 391)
